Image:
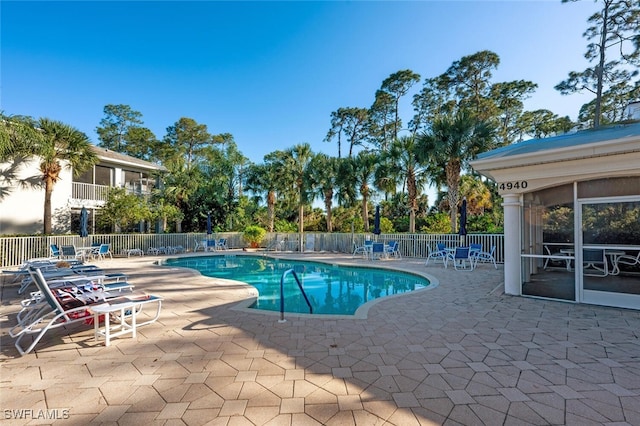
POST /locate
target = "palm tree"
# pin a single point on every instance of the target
(449, 144)
(322, 179)
(180, 184)
(477, 193)
(61, 146)
(265, 178)
(403, 160)
(18, 135)
(365, 164)
(296, 164)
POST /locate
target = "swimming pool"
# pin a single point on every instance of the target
(331, 289)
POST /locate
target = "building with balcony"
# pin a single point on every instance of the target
(22, 192)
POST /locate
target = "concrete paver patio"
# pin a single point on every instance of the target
(459, 353)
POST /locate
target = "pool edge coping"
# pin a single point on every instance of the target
(243, 305)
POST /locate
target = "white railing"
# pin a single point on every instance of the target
(15, 250)
(88, 191)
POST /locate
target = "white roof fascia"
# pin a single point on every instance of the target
(591, 150)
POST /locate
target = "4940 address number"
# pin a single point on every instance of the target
(522, 184)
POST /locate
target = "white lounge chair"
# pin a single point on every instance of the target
(61, 305)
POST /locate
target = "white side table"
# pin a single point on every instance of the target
(127, 310)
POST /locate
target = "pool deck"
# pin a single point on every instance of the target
(461, 353)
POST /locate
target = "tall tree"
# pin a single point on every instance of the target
(181, 183)
(509, 99)
(296, 164)
(141, 143)
(322, 176)
(469, 79)
(350, 122)
(403, 158)
(115, 125)
(186, 138)
(451, 142)
(61, 146)
(434, 99)
(614, 28)
(397, 85)
(381, 120)
(364, 167)
(346, 192)
(542, 123)
(262, 179)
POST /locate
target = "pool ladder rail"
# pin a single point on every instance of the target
(284, 275)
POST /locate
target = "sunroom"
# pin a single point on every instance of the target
(571, 215)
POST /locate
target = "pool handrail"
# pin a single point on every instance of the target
(284, 274)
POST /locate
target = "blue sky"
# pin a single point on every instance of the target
(270, 73)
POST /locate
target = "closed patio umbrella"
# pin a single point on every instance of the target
(463, 220)
(84, 222)
(376, 221)
(209, 223)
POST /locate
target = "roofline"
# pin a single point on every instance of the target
(576, 152)
(122, 159)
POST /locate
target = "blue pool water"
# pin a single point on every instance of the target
(332, 289)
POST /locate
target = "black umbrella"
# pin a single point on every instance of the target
(84, 222)
(209, 223)
(463, 218)
(376, 221)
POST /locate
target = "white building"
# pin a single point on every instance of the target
(566, 199)
(22, 207)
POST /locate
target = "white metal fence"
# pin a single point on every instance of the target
(15, 250)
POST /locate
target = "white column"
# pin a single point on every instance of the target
(512, 245)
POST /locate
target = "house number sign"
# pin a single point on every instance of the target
(521, 184)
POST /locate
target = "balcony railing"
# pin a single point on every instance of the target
(88, 191)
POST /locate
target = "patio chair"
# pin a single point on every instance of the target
(102, 252)
(211, 245)
(628, 260)
(554, 261)
(155, 250)
(438, 255)
(74, 271)
(69, 252)
(22, 271)
(377, 251)
(594, 263)
(222, 244)
(364, 250)
(54, 251)
(461, 258)
(392, 249)
(475, 248)
(61, 305)
(200, 245)
(485, 257)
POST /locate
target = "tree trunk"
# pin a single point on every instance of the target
(600, 69)
(271, 209)
(452, 171)
(365, 213)
(48, 190)
(301, 227)
(327, 205)
(412, 193)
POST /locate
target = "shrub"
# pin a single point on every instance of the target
(253, 235)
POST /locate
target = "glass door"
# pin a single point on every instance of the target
(608, 259)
